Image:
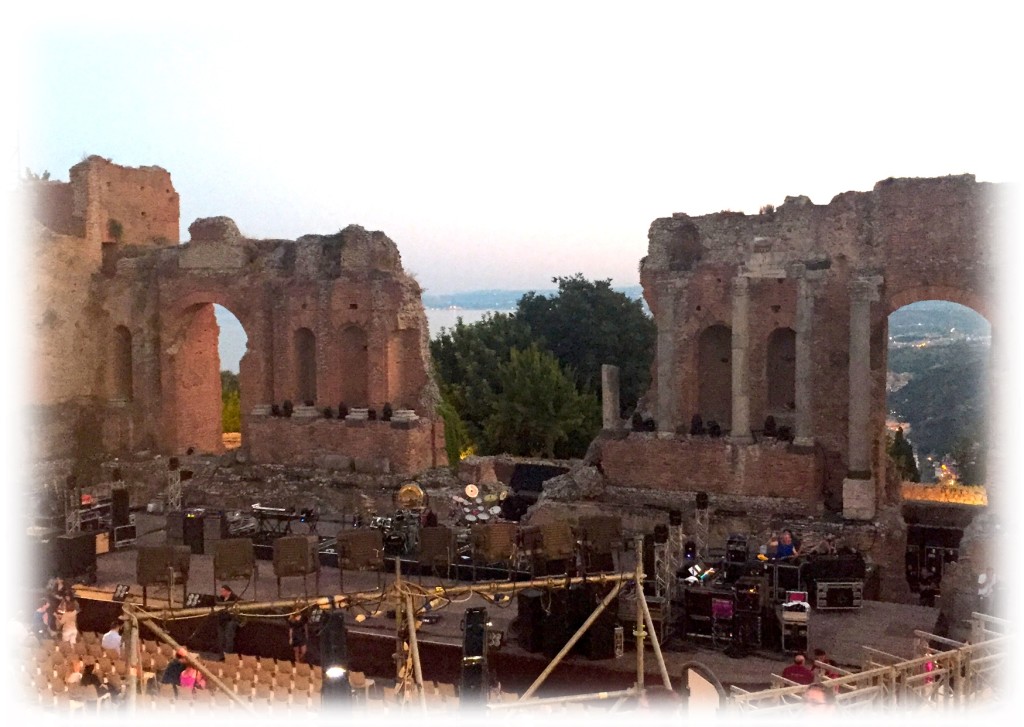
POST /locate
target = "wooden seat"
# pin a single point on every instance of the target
(285, 667)
(267, 664)
(283, 681)
(232, 659)
(446, 690)
(303, 670)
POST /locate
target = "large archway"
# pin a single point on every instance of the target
(204, 398)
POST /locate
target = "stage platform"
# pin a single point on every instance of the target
(885, 626)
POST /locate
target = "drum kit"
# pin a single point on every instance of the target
(476, 506)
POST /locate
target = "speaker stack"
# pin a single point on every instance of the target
(76, 555)
(531, 619)
(474, 680)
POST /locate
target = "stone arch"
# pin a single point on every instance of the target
(354, 364)
(714, 375)
(190, 387)
(919, 293)
(780, 371)
(304, 348)
(121, 374)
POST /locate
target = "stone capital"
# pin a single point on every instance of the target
(740, 285)
(866, 288)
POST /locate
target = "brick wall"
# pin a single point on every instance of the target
(684, 464)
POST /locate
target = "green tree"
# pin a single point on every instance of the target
(970, 455)
(588, 324)
(231, 402)
(466, 361)
(539, 407)
(901, 452)
(456, 438)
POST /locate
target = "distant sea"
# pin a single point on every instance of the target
(232, 337)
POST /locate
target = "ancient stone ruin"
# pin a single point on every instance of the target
(126, 338)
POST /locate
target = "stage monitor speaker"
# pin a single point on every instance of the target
(361, 549)
(601, 533)
(296, 555)
(120, 508)
(76, 554)
(175, 527)
(558, 540)
(437, 545)
(233, 559)
(598, 642)
(530, 602)
(153, 561)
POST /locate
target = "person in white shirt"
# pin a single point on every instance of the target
(986, 589)
(111, 640)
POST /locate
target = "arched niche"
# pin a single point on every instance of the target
(714, 375)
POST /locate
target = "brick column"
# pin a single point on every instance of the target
(740, 428)
(666, 352)
(859, 499)
(804, 430)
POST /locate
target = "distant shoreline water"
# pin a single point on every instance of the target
(438, 318)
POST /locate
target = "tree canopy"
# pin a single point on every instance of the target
(529, 382)
(901, 452)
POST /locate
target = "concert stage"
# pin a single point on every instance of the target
(884, 626)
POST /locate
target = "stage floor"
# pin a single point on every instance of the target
(885, 626)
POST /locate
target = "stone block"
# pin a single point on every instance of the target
(858, 499)
(372, 465)
(335, 462)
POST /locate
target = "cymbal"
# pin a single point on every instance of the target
(472, 491)
(496, 510)
(471, 518)
(483, 516)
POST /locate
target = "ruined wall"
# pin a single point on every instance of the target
(685, 464)
(126, 328)
(830, 273)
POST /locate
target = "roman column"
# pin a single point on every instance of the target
(859, 485)
(611, 418)
(740, 428)
(666, 415)
(804, 435)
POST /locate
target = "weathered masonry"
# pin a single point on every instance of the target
(126, 338)
(785, 314)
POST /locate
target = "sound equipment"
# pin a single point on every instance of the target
(599, 640)
(155, 565)
(361, 549)
(530, 619)
(215, 527)
(200, 600)
(558, 540)
(648, 556)
(660, 534)
(675, 517)
(120, 509)
(76, 555)
(192, 531)
(233, 559)
(124, 536)
(296, 555)
(120, 593)
(751, 594)
(437, 545)
(601, 533)
(839, 595)
(474, 685)
(556, 626)
(736, 549)
(175, 527)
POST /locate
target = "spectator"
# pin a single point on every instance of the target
(77, 672)
(41, 622)
(798, 671)
(821, 656)
(111, 641)
(192, 678)
(298, 635)
(67, 619)
(91, 678)
(929, 585)
(227, 623)
(820, 699)
(174, 670)
(786, 548)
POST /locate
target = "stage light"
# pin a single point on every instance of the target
(335, 672)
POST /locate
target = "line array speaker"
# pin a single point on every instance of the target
(296, 555)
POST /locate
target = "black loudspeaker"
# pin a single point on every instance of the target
(333, 639)
(76, 555)
(120, 509)
(556, 626)
(599, 640)
(296, 555)
(661, 534)
(649, 556)
(233, 559)
(531, 619)
(474, 682)
(751, 594)
(675, 517)
(192, 532)
(361, 549)
(175, 527)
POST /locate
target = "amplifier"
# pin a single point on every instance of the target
(751, 594)
(835, 595)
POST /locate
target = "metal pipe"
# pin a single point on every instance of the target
(414, 647)
(639, 632)
(596, 696)
(345, 600)
(134, 663)
(654, 642)
(572, 642)
(196, 663)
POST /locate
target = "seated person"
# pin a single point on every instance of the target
(783, 547)
(192, 678)
(798, 671)
(173, 671)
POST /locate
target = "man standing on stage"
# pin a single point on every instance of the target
(227, 624)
